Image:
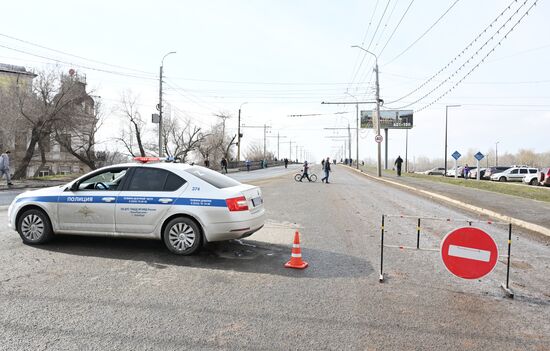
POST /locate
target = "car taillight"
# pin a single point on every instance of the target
(237, 204)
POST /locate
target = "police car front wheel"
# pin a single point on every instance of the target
(182, 236)
(34, 227)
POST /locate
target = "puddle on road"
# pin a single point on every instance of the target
(270, 241)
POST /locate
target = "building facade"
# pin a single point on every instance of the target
(49, 157)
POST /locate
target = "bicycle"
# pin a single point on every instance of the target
(312, 177)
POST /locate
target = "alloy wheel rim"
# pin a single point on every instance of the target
(181, 236)
(32, 227)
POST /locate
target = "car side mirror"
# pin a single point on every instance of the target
(74, 186)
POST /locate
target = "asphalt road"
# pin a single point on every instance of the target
(98, 293)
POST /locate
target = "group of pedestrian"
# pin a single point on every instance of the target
(325, 165)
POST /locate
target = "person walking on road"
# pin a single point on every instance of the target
(224, 165)
(247, 162)
(466, 171)
(305, 172)
(326, 168)
(398, 163)
(286, 162)
(5, 166)
(323, 164)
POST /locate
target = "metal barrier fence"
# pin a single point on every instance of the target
(419, 220)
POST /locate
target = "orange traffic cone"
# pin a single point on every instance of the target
(296, 257)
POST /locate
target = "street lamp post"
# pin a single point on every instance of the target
(239, 134)
(496, 153)
(446, 114)
(160, 103)
(379, 165)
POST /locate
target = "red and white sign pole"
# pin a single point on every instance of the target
(469, 253)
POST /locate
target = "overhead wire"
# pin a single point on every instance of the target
(483, 59)
(454, 59)
(396, 27)
(73, 55)
(424, 34)
(76, 64)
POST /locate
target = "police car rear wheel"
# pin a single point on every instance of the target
(182, 236)
(34, 227)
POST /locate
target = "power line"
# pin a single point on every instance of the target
(385, 26)
(423, 34)
(395, 29)
(483, 59)
(460, 54)
(76, 56)
(76, 65)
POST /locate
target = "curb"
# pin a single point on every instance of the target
(520, 223)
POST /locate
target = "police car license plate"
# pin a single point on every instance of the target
(257, 201)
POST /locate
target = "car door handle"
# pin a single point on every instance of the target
(165, 201)
(108, 199)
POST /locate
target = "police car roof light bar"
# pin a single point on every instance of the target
(149, 159)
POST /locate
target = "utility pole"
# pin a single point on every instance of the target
(406, 151)
(446, 115)
(265, 127)
(379, 166)
(159, 107)
(239, 136)
(358, 128)
(278, 143)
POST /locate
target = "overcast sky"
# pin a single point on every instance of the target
(285, 57)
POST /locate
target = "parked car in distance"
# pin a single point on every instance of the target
(460, 171)
(473, 173)
(435, 171)
(531, 179)
(493, 170)
(451, 172)
(514, 174)
(544, 177)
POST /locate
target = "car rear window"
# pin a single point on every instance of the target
(212, 177)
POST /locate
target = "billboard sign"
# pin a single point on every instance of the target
(389, 119)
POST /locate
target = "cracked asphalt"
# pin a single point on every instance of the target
(119, 294)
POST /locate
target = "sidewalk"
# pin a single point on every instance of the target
(532, 211)
(34, 183)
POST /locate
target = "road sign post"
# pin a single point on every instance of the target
(479, 156)
(456, 155)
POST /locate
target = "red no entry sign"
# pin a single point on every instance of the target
(469, 253)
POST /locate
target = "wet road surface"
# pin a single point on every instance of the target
(105, 293)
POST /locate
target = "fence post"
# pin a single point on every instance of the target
(506, 287)
(381, 279)
(418, 235)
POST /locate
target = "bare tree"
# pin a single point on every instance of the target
(180, 138)
(136, 125)
(83, 120)
(41, 108)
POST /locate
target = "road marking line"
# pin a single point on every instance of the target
(469, 253)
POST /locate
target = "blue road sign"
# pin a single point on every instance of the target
(479, 156)
(456, 155)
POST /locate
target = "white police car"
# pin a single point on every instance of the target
(182, 205)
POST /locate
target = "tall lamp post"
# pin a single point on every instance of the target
(446, 114)
(496, 153)
(379, 166)
(160, 103)
(239, 134)
(356, 131)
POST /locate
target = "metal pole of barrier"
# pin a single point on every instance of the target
(418, 234)
(506, 287)
(381, 279)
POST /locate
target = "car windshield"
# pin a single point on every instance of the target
(213, 178)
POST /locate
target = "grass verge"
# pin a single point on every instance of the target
(516, 189)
